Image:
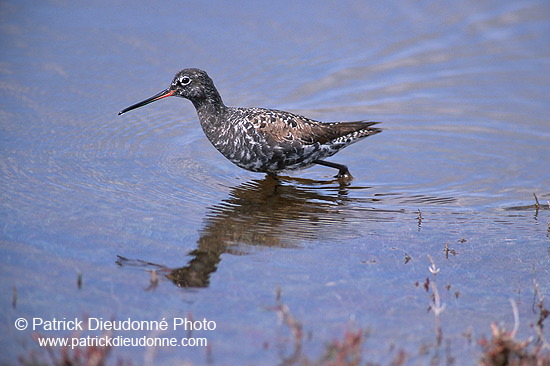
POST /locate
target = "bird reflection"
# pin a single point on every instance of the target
(262, 212)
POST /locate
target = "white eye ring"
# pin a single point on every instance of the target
(185, 80)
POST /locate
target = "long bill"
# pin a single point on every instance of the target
(163, 94)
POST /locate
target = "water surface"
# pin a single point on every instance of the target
(462, 94)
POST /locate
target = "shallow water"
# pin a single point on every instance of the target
(462, 93)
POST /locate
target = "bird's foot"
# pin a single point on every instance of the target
(344, 177)
(343, 172)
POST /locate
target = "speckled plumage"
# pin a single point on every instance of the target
(260, 139)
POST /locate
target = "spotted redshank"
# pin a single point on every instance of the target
(260, 139)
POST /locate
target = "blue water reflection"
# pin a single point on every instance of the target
(461, 90)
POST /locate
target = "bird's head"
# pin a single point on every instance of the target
(192, 84)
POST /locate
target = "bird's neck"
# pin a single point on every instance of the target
(209, 105)
(210, 109)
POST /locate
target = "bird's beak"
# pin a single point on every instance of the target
(163, 94)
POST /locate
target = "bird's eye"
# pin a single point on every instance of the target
(185, 80)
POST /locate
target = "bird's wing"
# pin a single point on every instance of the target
(284, 126)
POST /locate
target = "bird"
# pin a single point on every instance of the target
(262, 140)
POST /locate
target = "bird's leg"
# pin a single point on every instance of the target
(276, 179)
(342, 169)
(274, 176)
